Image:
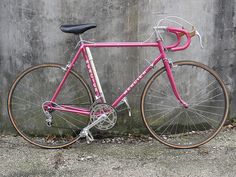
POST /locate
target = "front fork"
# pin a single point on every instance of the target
(168, 66)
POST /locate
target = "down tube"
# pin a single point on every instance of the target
(136, 81)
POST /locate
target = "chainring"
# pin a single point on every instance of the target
(101, 109)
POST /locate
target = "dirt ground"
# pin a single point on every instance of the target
(125, 156)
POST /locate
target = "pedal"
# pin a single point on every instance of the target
(89, 137)
(87, 134)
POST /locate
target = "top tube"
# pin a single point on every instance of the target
(122, 44)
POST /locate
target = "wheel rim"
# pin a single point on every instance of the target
(179, 127)
(37, 85)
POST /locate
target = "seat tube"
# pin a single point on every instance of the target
(94, 71)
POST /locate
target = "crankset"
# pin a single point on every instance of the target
(108, 111)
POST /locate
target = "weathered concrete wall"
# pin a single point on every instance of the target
(29, 34)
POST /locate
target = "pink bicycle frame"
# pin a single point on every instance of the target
(92, 74)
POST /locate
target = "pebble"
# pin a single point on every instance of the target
(129, 139)
(85, 158)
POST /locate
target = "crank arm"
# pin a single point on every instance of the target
(86, 133)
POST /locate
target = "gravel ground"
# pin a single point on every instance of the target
(125, 156)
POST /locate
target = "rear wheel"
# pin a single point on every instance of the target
(172, 124)
(37, 85)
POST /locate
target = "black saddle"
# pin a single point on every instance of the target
(77, 29)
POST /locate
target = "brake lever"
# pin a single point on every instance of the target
(200, 38)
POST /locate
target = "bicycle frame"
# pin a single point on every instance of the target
(85, 50)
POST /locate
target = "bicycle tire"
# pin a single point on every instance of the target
(172, 124)
(36, 85)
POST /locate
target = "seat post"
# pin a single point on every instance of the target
(80, 38)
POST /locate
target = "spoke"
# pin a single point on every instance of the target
(24, 108)
(197, 103)
(206, 94)
(167, 86)
(159, 113)
(84, 103)
(29, 116)
(33, 92)
(188, 127)
(25, 111)
(200, 121)
(32, 118)
(162, 116)
(31, 103)
(58, 129)
(165, 98)
(71, 117)
(68, 89)
(40, 113)
(69, 123)
(161, 105)
(191, 120)
(180, 89)
(173, 119)
(201, 90)
(155, 109)
(203, 116)
(206, 112)
(77, 98)
(75, 104)
(68, 95)
(158, 92)
(26, 128)
(176, 128)
(173, 126)
(217, 107)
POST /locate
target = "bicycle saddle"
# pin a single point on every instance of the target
(77, 29)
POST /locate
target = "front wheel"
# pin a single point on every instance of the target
(172, 124)
(32, 89)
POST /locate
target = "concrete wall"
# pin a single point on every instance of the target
(29, 35)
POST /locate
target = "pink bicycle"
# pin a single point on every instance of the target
(183, 105)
